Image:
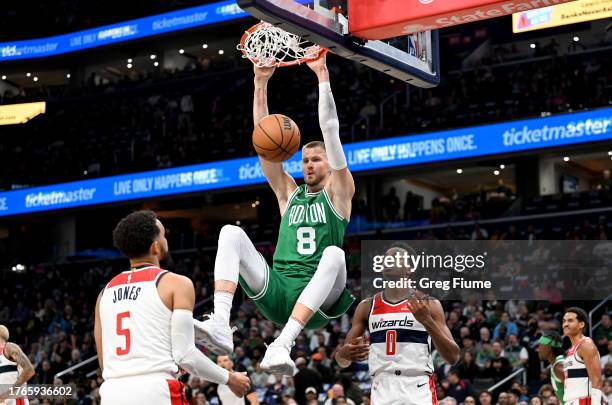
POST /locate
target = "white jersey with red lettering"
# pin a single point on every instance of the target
(400, 359)
(9, 372)
(136, 335)
(576, 385)
(397, 340)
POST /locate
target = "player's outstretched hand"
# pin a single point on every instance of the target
(263, 73)
(239, 383)
(420, 309)
(357, 350)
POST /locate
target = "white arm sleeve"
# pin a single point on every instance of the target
(186, 355)
(330, 126)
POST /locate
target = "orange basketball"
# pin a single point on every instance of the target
(276, 138)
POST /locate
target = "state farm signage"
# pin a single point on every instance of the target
(371, 20)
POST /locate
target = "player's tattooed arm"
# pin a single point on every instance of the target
(280, 181)
(14, 353)
(430, 313)
(354, 348)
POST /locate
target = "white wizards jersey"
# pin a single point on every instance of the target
(136, 337)
(577, 384)
(8, 369)
(399, 344)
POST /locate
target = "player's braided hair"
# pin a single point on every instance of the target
(135, 233)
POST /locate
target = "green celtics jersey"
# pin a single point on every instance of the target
(309, 225)
(556, 383)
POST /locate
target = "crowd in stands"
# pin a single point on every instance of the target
(49, 311)
(147, 121)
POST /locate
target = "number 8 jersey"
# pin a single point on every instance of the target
(136, 335)
(399, 344)
(309, 225)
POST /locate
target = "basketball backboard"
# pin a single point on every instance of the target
(411, 58)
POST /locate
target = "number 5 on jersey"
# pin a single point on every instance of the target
(123, 331)
(306, 240)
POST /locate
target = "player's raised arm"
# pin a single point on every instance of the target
(341, 185)
(14, 353)
(280, 181)
(354, 348)
(184, 352)
(430, 313)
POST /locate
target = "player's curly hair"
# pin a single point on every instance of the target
(135, 233)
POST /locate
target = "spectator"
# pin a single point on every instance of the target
(467, 367)
(469, 400)
(510, 327)
(448, 401)
(485, 398)
(603, 333)
(305, 378)
(337, 392)
(516, 353)
(391, 205)
(458, 388)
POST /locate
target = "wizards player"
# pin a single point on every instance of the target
(403, 325)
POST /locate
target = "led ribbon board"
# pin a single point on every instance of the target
(496, 139)
(121, 32)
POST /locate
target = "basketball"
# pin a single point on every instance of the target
(276, 138)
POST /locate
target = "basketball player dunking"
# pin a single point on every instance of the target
(144, 326)
(582, 369)
(402, 324)
(306, 285)
(15, 368)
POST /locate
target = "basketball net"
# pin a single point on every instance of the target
(268, 46)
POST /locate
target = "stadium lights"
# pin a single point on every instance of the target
(35, 78)
(129, 65)
(181, 51)
(67, 75)
(153, 56)
(609, 152)
(496, 172)
(502, 167)
(3, 77)
(221, 51)
(576, 39)
(532, 46)
(459, 171)
(156, 63)
(204, 46)
(130, 60)
(28, 74)
(238, 223)
(18, 268)
(566, 158)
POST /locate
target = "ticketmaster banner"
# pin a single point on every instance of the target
(487, 270)
(123, 31)
(508, 137)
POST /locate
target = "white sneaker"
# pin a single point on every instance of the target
(277, 360)
(214, 335)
